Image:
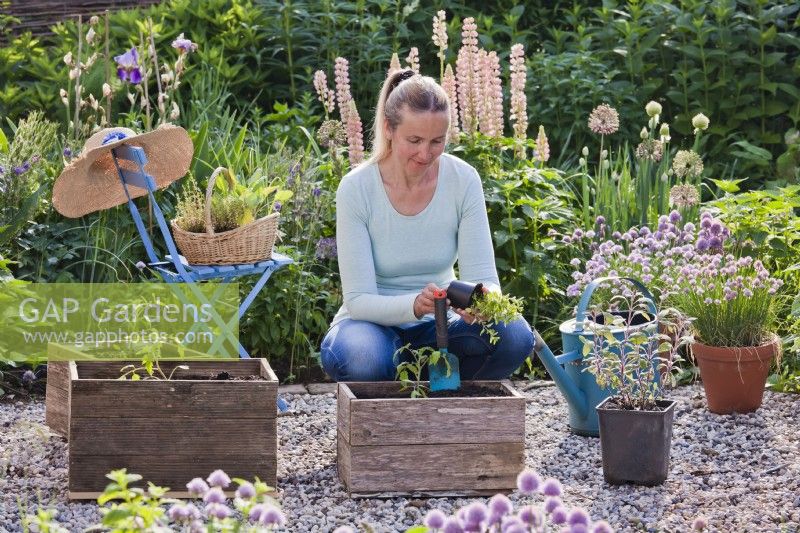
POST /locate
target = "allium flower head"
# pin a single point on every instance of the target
(559, 516)
(684, 196)
(578, 516)
(183, 45)
(500, 505)
(551, 487)
(435, 518)
(28, 376)
(476, 514)
(664, 133)
(332, 134)
(218, 510)
(246, 491)
(451, 525)
(128, 66)
(219, 478)
(197, 487)
(650, 150)
(652, 108)
(700, 122)
(272, 516)
(551, 504)
(214, 495)
(528, 482)
(687, 164)
(604, 120)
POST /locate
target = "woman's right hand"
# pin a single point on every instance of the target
(423, 303)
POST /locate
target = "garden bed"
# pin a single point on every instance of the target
(169, 431)
(390, 444)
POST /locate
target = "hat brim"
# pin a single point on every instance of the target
(91, 182)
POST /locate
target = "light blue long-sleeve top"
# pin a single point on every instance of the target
(386, 258)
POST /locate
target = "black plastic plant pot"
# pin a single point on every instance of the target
(635, 444)
(463, 293)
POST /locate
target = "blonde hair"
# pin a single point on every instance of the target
(404, 88)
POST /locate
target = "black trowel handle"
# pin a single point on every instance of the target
(440, 314)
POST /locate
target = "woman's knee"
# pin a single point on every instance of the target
(356, 350)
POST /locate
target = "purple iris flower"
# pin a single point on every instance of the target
(128, 66)
(184, 45)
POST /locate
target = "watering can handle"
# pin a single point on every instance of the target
(590, 288)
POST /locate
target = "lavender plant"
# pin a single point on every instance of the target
(500, 516)
(630, 361)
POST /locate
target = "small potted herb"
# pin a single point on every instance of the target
(636, 422)
(488, 307)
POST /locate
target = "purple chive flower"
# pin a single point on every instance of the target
(67, 152)
(183, 45)
(178, 513)
(551, 487)
(256, 511)
(434, 519)
(702, 245)
(500, 505)
(19, 171)
(675, 217)
(476, 514)
(128, 66)
(28, 376)
(578, 516)
(578, 528)
(141, 265)
(451, 525)
(277, 206)
(530, 516)
(218, 510)
(602, 527)
(316, 192)
(218, 478)
(600, 220)
(272, 516)
(246, 491)
(551, 504)
(197, 487)
(528, 482)
(214, 495)
(559, 516)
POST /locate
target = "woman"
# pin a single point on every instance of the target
(403, 218)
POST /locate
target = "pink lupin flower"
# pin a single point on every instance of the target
(466, 75)
(326, 96)
(449, 86)
(343, 96)
(491, 109)
(542, 146)
(518, 112)
(413, 59)
(355, 136)
(394, 65)
(440, 33)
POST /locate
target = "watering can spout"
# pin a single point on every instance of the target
(576, 398)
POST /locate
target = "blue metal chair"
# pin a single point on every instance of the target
(174, 268)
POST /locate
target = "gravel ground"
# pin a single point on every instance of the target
(741, 472)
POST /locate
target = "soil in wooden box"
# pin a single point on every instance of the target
(171, 431)
(389, 444)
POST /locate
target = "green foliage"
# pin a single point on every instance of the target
(410, 365)
(628, 361)
(493, 308)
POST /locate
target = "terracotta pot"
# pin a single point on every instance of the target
(734, 378)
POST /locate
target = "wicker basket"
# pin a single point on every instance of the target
(250, 243)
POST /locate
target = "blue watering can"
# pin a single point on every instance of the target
(567, 370)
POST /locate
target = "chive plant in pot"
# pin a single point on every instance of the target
(731, 300)
(636, 422)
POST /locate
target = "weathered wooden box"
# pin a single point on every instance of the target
(391, 445)
(169, 431)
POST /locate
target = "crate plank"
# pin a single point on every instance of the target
(343, 458)
(56, 414)
(181, 436)
(438, 421)
(175, 398)
(435, 467)
(234, 367)
(87, 473)
(343, 398)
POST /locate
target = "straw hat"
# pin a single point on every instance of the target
(91, 182)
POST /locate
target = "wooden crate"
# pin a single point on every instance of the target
(391, 445)
(170, 431)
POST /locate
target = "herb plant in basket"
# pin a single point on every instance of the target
(635, 423)
(236, 227)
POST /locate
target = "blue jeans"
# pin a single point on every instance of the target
(356, 350)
